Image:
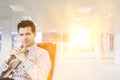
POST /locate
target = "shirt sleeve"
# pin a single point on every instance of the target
(3, 67)
(40, 70)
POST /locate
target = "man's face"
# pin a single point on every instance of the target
(27, 37)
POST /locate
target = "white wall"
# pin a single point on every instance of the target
(117, 43)
(6, 42)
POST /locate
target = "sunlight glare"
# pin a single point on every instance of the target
(83, 38)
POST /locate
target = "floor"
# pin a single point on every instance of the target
(86, 69)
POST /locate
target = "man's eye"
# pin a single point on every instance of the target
(28, 34)
(21, 34)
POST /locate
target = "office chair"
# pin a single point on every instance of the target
(51, 48)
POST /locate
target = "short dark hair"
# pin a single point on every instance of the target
(26, 23)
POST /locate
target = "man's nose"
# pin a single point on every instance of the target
(24, 36)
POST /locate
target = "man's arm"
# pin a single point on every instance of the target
(3, 67)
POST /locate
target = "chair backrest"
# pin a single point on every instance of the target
(51, 48)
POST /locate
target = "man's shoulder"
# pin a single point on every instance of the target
(41, 50)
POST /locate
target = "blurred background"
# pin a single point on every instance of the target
(86, 34)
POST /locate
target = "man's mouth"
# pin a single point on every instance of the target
(25, 42)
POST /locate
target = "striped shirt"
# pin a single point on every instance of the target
(36, 67)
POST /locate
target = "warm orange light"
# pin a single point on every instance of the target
(82, 38)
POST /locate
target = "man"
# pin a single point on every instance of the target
(33, 62)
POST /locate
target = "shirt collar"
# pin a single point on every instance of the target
(31, 47)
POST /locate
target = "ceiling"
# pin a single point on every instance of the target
(59, 15)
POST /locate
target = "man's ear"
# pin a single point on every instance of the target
(34, 33)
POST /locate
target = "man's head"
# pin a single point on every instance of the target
(27, 32)
(26, 23)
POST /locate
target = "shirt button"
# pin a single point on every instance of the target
(5, 66)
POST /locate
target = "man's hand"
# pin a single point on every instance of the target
(21, 57)
(19, 54)
(10, 59)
